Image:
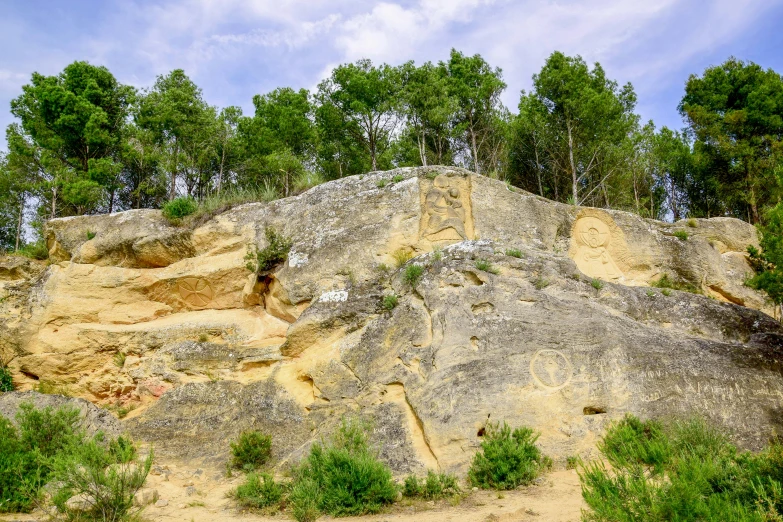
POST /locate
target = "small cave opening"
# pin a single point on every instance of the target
(593, 410)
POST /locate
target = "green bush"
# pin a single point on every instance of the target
(486, 266)
(6, 380)
(397, 178)
(274, 253)
(507, 459)
(681, 235)
(412, 274)
(260, 491)
(251, 450)
(105, 474)
(178, 208)
(389, 302)
(343, 478)
(37, 250)
(597, 283)
(687, 471)
(90, 235)
(433, 486)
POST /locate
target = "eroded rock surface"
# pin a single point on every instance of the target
(560, 330)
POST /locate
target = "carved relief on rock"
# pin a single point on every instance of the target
(446, 212)
(196, 291)
(551, 369)
(592, 237)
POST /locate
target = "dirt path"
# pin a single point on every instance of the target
(196, 495)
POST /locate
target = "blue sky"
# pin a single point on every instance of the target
(234, 49)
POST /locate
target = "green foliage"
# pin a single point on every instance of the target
(402, 256)
(666, 292)
(412, 274)
(685, 471)
(119, 359)
(106, 476)
(251, 450)
(381, 183)
(692, 223)
(37, 250)
(437, 254)
(768, 264)
(434, 486)
(274, 253)
(397, 178)
(514, 252)
(178, 208)
(540, 283)
(572, 462)
(596, 283)
(90, 235)
(343, 478)
(486, 266)
(6, 379)
(389, 302)
(681, 235)
(666, 282)
(507, 459)
(260, 491)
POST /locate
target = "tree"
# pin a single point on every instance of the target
(12, 202)
(735, 113)
(174, 111)
(587, 117)
(475, 88)
(428, 110)
(75, 121)
(227, 145)
(367, 99)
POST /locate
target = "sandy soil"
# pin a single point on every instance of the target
(201, 495)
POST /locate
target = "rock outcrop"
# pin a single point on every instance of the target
(525, 310)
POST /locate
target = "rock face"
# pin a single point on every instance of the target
(523, 310)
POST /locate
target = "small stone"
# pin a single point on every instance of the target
(190, 491)
(475, 488)
(145, 496)
(162, 503)
(80, 502)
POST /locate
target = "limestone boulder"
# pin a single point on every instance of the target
(510, 308)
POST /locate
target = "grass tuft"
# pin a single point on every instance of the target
(251, 450)
(389, 302)
(514, 252)
(486, 266)
(412, 274)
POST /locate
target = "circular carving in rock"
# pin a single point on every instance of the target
(551, 369)
(196, 291)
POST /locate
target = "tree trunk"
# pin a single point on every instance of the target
(111, 200)
(475, 150)
(220, 172)
(538, 171)
(54, 202)
(574, 178)
(19, 222)
(422, 153)
(173, 187)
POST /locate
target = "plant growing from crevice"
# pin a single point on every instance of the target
(514, 252)
(486, 266)
(274, 253)
(90, 235)
(681, 235)
(540, 283)
(412, 274)
(668, 283)
(401, 256)
(596, 283)
(389, 302)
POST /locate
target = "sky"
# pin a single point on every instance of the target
(234, 49)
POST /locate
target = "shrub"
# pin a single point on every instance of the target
(412, 274)
(401, 257)
(597, 283)
(106, 476)
(681, 235)
(507, 459)
(342, 479)
(432, 487)
(389, 302)
(275, 252)
(666, 292)
(259, 491)
(514, 252)
(540, 283)
(397, 178)
(90, 235)
(486, 266)
(686, 471)
(6, 380)
(37, 250)
(251, 450)
(692, 223)
(178, 208)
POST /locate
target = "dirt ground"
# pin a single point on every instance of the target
(201, 495)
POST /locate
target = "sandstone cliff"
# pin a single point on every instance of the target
(526, 310)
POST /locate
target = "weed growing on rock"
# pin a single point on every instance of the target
(685, 471)
(52, 388)
(389, 302)
(397, 178)
(260, 491)
(178, 208)
(90, 235)
(6, 380)
(251, 450)
(412, 274)
(650, 293)
(666, 292)
(275, 252)
(119, 359)
(514, 252)
(486, 266)
(202, 338)
(434, 486)
(343, 478)
(692, 223)
(37, 250)
(437, 254)
(402, 256)
(667, 283)
(596, 283)
(540, 283)
(507, 458)
(681, 235)
(381, 183)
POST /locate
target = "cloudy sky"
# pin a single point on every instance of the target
(234, 49)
